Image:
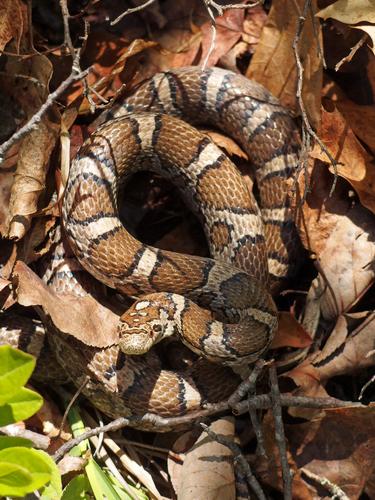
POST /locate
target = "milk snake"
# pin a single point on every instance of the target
(251, 250)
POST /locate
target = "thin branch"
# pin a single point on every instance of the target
(332, 488)
(264, 402)
(307, 130)
(352, 52)
(131, 11)
(36, 118)
(279, 433)
(239, 459)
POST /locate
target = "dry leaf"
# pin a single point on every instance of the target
(337, 444)
(345, 353)
(290, 333)
(356, 165)
(34, 154)
(82, 317)
(342, 238)
(361, 120)
(207, 472)
(350, 12)
(228, 32)
(273, 64)
(11, 22)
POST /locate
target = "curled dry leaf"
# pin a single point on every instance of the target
(274, 65)
(337, 444)
(347, 350)
(82, 317)
(356, 165)
(342, 238)
(207, 471)
(36, 148)
(290, 333)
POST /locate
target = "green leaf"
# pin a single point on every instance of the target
(78, 488)
(15, 370)
(20, 406)
(100, 484)
(10, 441)
(78, 427)
(23, 470)
(53, 490)
(14, 480)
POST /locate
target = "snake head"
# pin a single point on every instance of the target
(143, 325)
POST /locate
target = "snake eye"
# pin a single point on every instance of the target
(157, 328)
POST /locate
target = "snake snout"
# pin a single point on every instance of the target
(137, 340)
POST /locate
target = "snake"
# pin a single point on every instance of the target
(220, 307)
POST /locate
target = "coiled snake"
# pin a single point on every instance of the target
(219, 307)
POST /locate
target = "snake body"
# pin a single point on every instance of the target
(220, 307)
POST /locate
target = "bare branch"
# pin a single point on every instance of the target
(279, 432)
(36, 118)
(131, 11)
(332, 488)
(239, 459)
(307, 130)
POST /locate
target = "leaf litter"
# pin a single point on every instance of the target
(330, 354)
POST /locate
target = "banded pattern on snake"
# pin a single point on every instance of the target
(239, 318)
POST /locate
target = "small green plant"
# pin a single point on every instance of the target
(22, 468)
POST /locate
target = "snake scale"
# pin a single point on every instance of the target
(221, 307)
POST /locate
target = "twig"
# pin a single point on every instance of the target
(67, 38)
(279, 433)
(239, 459)
(248, 387)
(307, 130)
(36, 118)
(264, 402)
(220, 9)
(72, 401)
(39, 441)
(352, 52)
(131, 11)
(332, 488)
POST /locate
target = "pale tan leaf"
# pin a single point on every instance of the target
(370, 30)
(207, 472)
(82, 317)
(350, 12)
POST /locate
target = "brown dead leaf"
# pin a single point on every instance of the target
(342, 237)
(36, 148)
(11, 22)
(347, 350)
(226, 143)
(268, 468)
(228, 31)
(290, 333)
(356, 165)
(337, 444)
(274, 66)
(361, 120)
(82, 317)
(207, 472)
